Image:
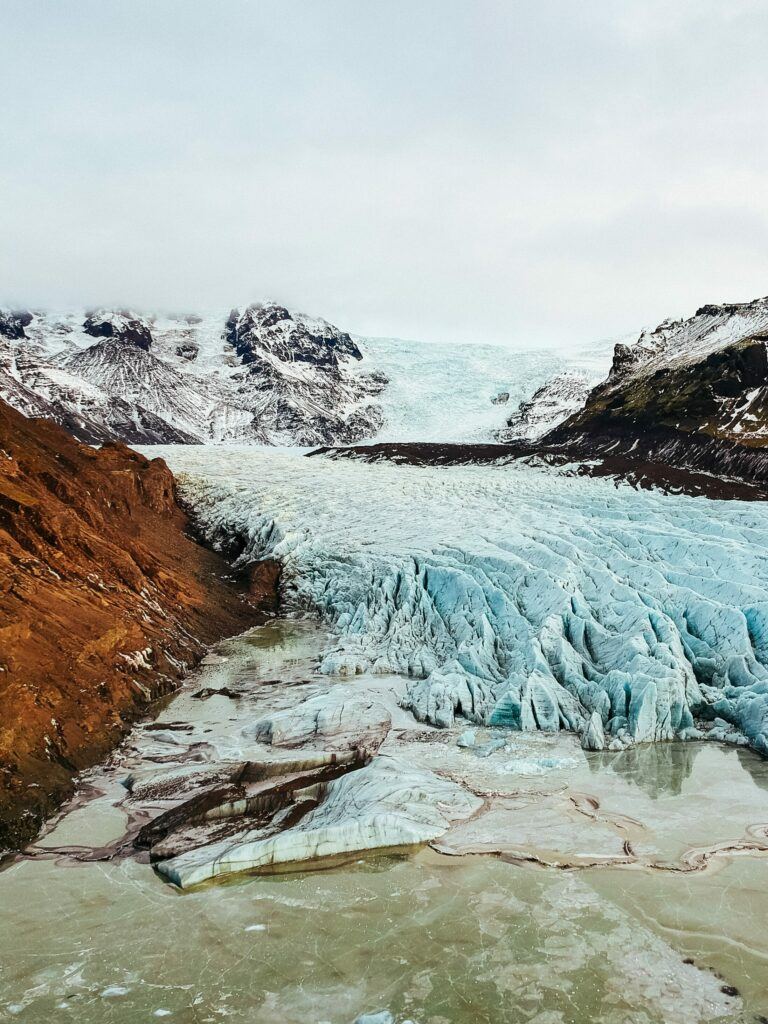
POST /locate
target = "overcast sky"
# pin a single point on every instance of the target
(536, 172)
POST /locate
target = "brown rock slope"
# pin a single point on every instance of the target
(105, 600)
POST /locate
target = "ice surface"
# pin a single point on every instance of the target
(383, 805)
(445, 392)
(512, 596)
(333, 723)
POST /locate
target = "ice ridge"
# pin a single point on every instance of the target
(513, 595)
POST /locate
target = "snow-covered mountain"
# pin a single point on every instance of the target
(298, 376)
(262, 375)
(691, 394)
(265, 375)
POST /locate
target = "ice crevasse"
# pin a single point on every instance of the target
(512, 595)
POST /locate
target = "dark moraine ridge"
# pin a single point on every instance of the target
(643, 467)
(105, 601)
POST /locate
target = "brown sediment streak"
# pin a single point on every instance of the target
(589, 806)
(250, 799)
(522, 857)
(698, 859)
(692, 861)
(670, 462)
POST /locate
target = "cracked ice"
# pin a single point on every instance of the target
(512, 595)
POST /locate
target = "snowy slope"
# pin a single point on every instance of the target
(446, 392)
(138, 377)
(263, 375)
(513, 595)
(12, 387)
(684, 342)
(39, 388)
(549, 405)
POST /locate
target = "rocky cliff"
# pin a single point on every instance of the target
(299, 377)
(692, 394)
(105, 601)
(548, 406)
(263, 375)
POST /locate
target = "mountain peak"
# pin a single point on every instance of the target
(122, 375)
(269, 329)
(121, 325)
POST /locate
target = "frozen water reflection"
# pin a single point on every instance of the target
(462, 941)
(434, 938)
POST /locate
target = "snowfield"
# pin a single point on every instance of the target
(445, 392)
(512, 595)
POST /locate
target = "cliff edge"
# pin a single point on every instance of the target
(105, 601)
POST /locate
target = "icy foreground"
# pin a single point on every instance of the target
(199, 795)
(513, 596)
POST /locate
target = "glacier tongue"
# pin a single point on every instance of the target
(512, 595)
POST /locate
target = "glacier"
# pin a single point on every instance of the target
(260, 374)
(511, 595)
(447, 392)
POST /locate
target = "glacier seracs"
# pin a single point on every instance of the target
(512, 595)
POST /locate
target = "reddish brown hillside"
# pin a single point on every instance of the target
(104, 601)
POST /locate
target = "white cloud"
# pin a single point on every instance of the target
(488, 171)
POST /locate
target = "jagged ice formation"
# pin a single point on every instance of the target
(513, 595)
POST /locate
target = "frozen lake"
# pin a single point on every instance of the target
(92, 934)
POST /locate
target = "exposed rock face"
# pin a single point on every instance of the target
(296, 379)
(692, 394)
(122, 326)
(554, 402)
(104, 602)
(263, 376)
(188, 350)
(13, 322)
(270, 329)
